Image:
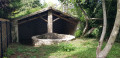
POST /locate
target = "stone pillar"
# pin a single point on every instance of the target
(14, 31)
(50, 22)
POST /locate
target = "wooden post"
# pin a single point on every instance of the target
(50, 22)
(16, 30)
(1, 43)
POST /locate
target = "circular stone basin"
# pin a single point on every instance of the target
(50, 38)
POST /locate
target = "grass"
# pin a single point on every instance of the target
(79, 48)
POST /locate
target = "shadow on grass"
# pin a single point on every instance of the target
(25, 51)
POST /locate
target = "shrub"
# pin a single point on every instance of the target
(9, 52)
(78, 33)
(95, 32)
(66, 47)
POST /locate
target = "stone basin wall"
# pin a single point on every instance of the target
(50, 38)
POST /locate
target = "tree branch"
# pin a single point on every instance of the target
(96, 19)
(86, 19)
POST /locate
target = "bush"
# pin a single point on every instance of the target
(78, 33)
(9, 52)
(66, 47)
(95, 32)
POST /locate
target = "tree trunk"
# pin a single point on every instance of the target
(104, 29)
(113, 35)
(86, 28)
(89, 32)
(86, 19)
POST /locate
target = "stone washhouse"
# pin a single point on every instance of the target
(48, 20)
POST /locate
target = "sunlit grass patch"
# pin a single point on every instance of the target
(79, 48)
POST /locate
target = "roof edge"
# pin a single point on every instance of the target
(46, 9)
(1, 19)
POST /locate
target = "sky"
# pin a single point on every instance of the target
(50, 1)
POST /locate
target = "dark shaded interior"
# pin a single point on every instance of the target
(31, 28)
(63, 27)
(39, 26)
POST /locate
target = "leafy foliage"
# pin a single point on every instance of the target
(18, 8)
(25, 7)
(66, 47)
(9, 52)
(93, 8)
(78, 33)
(95, 32)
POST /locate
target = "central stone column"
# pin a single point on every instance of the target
(50, 22)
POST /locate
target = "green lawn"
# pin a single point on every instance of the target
(79, 48)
